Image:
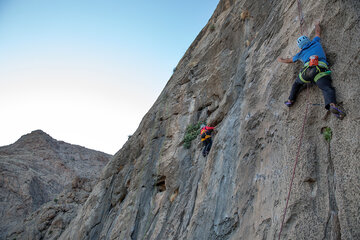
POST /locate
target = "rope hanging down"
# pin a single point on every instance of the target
(296, 161)
(301, 18)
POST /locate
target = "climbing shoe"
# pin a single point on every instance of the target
(205, 153)
(337, 112)
(289, 103)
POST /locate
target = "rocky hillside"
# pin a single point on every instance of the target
(35, 169)
(154, 188)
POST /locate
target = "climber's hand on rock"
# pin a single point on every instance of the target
(284, 60)
(281, 60)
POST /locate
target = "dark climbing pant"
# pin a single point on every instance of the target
(207, 146)
(323, 83)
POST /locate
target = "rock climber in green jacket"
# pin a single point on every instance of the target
(315, 70)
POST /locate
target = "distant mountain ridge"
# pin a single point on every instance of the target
(36, 168)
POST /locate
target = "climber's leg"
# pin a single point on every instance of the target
(208, 146)
(327, 89)
(204, 148)
(295, 89)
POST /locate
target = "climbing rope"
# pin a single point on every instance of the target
(296, 161)
(302, 129)
(301, 17)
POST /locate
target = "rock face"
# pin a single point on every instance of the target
(35, 169)
(154, 188)
(50, 220)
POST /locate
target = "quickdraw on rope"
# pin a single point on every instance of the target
(302, 129)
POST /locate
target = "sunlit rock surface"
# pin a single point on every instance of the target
(154, 188)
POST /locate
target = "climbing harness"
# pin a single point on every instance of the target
(314, 70)
(302, 129)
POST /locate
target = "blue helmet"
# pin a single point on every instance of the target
(302, 41)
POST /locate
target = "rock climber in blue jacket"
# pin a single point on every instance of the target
(315, 70)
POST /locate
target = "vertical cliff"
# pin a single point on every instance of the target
(154, 188)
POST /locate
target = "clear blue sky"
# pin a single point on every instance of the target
(87, 71)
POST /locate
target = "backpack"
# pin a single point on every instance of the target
(205, 134)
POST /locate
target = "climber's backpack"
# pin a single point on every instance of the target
(205, 134)
(314, 60)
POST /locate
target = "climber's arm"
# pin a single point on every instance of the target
(317, 29)
(284, 60)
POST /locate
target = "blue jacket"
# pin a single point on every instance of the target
(312, 48)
